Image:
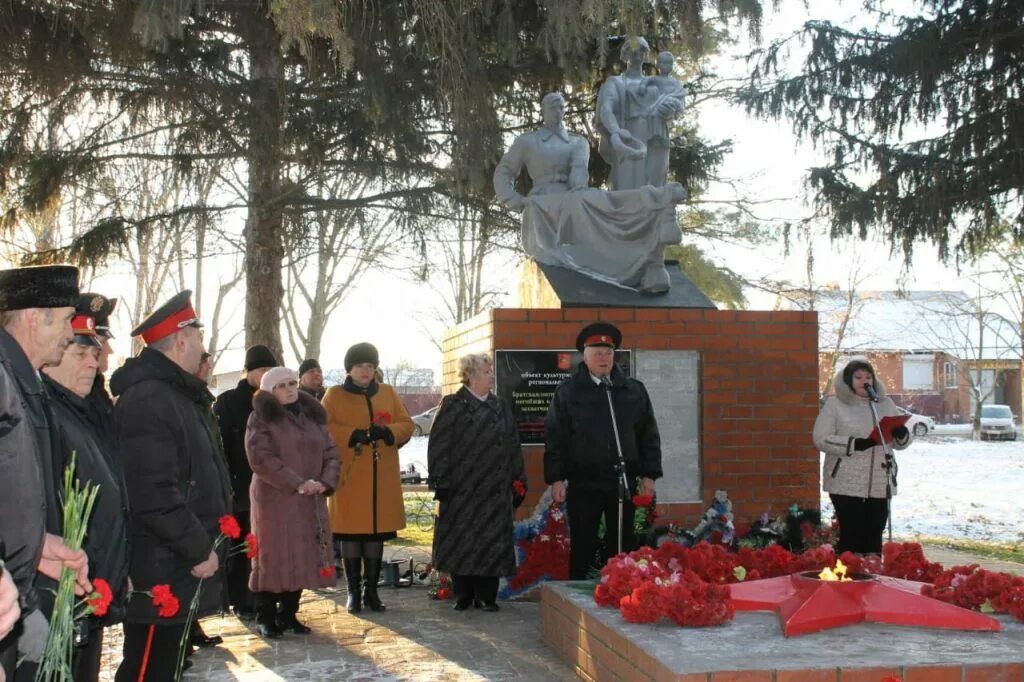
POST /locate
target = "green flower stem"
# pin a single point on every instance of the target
(193, 608)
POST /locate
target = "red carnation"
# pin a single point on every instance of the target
(252, 547)
(518, 488)
(381, 417)
(642, 500)
(327, 572)
(164, 600)
(99, 601)
(444, 593)
(229, 527)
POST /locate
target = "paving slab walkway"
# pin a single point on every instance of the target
(417, 638)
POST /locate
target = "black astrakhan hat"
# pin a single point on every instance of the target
(41, 286)
(599, 334)
(359, 353)
(171, 317)
(100, 308)
(259, 356)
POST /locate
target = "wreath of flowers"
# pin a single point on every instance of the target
(542, 549)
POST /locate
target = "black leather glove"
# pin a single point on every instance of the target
(900, 433)
(441, 494)
(860, 444)
(378, 432)
(359, 437)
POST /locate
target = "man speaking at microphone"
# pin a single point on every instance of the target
(581, 455)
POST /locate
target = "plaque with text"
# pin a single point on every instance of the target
(526, 381)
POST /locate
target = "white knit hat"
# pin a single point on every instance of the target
(275, 375)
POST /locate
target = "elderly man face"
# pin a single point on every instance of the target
(553, 109)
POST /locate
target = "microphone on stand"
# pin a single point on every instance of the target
(870, 388)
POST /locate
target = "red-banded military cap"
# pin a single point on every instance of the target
(83, 324)
(169, 318)
(101, 308)
(599, 334)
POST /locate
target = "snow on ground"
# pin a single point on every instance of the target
(959, 488)
(948, 485)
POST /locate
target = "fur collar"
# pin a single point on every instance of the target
(267, 408)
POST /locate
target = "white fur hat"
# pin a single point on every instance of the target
(275, 375)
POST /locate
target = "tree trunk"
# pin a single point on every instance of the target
(264, 250)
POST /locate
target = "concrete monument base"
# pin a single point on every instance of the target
(600, 645)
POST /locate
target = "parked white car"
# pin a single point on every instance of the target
(424, 421)
(918, 424)
(997, 423)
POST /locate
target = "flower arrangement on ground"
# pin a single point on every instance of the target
(542, 549)
(676, 582)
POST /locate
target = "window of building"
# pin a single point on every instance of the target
(949, 374)
(918, 372)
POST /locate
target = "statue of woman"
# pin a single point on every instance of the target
(633, 129)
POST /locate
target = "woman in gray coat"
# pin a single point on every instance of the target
(295, 466)
(474, 460)
(854, 473)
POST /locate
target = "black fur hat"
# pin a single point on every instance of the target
(359, 353)
(259, 356)
(41, 286)
(308, 364)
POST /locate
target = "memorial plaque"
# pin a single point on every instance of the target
(672, 378)
(526, 381)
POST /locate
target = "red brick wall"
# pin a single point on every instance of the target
(759, 387)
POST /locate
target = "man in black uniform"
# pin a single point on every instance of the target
(177, 484)
(36, 307)
(233, 408)
(581, 457)
(99, 406)
(106, 541)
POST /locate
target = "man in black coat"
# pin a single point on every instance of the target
(99, 405)
(178, 485)
(37, 305)
(311, 378)
(106, 541)
(232, 409)
(581, 456)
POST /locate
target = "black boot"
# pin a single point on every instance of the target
(353, 576)
(266, 615)
(286, 619)
(372, 569)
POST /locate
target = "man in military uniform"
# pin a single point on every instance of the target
(177, 484)
(106, 540)
(99, 406)
(36, 307)
(233, 408)
(581, 456)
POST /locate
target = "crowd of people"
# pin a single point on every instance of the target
(313, 473)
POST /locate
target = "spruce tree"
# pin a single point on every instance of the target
(921, 120)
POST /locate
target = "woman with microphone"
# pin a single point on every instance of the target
(854, 473)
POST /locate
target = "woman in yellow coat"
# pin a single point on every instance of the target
(368, 424)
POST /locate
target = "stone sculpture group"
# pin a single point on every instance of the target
(617, 235)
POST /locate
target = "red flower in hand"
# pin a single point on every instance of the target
(229, 527)
(381, 417)
(164, 600)
(99, 601)
(327, 572)
(518, 488)
(642, 500)
(444, 593)
(252, 547)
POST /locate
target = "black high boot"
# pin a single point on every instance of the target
(286, 619)
(353, 576)
(372, 569)
(266, 615)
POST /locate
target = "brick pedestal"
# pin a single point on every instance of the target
(758, 392)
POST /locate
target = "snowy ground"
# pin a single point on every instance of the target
(949, 485)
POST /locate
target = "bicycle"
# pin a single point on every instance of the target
(422, 511)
